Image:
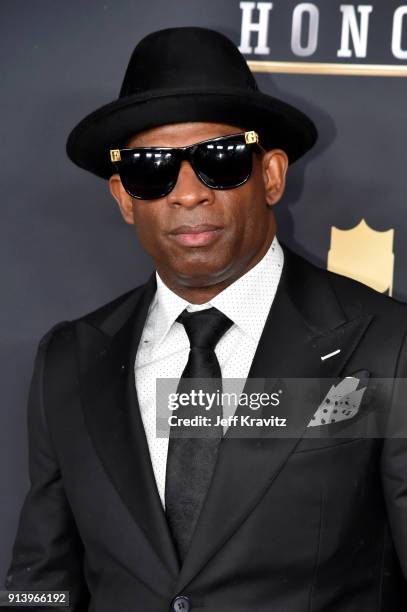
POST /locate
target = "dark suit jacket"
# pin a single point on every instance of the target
(290, 523)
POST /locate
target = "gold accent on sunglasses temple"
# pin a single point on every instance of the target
(115, 155)
(252, 137)
(249, 137)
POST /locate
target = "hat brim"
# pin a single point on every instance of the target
(279, 124)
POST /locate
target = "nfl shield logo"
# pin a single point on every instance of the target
(364, 254)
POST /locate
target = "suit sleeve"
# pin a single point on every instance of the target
(47, 552)
(394, 459)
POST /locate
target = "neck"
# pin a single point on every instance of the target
(203, 294)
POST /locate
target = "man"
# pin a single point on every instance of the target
(124, 519)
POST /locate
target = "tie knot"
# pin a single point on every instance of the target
(204, 327)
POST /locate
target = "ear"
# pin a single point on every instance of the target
(124, 200)
(275, 164)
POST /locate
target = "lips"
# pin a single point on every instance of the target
(196, 235)
(194, 229)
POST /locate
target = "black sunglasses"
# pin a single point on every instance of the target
(148, 173)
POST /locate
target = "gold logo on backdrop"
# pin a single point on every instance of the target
(364, 254)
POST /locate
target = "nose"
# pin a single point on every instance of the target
(189, 191)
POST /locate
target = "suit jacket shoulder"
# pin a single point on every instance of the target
(318, 291)
(96, 316)
(357, 297)
(354, 297)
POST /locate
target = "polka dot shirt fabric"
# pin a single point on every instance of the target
(164, 345)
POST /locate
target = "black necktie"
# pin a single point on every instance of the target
(192, 451)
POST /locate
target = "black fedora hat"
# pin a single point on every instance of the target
(187, 74)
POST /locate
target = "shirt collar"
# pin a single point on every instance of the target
(169, 305)
(251, 294)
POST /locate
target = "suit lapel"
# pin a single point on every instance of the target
(304, 323)
(109, 400)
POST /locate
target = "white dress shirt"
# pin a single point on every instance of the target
(164, 345)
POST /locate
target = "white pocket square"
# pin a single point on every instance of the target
(342, 402)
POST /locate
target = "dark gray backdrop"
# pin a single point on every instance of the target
(64, 247)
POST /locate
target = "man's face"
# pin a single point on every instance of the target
(243, 218)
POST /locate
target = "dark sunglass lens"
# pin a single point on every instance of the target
(223, 164)
(148, 174)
